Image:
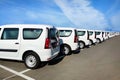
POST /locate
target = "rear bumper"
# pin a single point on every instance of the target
(49, 54)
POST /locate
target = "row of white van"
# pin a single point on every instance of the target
(35, 44)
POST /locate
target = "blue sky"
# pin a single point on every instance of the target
(88, 14)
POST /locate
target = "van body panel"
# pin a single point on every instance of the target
(69, 37)
(83, 36)
(36, 35)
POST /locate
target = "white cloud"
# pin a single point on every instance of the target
(48, 17)
(81, 13)
(44, 12)
(115, 20)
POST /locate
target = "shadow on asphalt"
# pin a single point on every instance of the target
(60, 57)
(57, 59)
(54, 61)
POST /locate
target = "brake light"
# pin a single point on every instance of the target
(75, 39)
(47, 43)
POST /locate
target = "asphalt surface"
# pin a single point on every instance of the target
(99, 62)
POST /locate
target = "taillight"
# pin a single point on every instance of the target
(75, 39)
(47, 43)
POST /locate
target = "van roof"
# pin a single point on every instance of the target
(26, 26)
(66, 28)
(82, 29)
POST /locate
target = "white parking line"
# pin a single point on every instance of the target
(25, 71)
(9, 77)
(15, 75)
(18, 73)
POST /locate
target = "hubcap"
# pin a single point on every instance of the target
(66, 50)
(90, 43)
(81, 45)
(98, 40)
(31, 61)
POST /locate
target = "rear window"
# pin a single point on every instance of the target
(97, 33)
(81, 33)
(90, 32)
(65, 33)
(53, 33)
(33, 33)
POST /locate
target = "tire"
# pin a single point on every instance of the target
(82, 45)
(67, 50)
(32, 60)
(98, 41)
(91, 42)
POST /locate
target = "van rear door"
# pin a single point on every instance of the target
(54, 39)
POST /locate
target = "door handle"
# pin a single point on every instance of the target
(16, 43)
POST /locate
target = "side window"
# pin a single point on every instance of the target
(10, 33)
(90, 32)
(81, 33)
(31, 33)
(65, 33)
(97, 33)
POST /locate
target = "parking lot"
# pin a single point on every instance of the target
(99, 62)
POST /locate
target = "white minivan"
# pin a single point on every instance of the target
(99, 36)
(105, 35)
(68, 40)
(30, 43)
(83, 38)
(92, 36)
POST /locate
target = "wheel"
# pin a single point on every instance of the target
(82, 45)
(32, 60)
(67, 50)
(98, 41)
(90, 42)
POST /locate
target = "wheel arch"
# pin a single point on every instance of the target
(91, 40)
(99, 39)
(65, 44)
(81, 41)
(28, 51)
